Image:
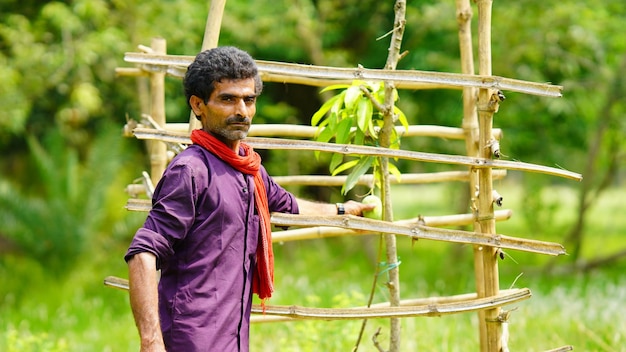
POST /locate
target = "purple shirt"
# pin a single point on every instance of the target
(203, 229)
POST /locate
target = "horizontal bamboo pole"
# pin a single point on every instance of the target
(308, 233)
(432, 177)
(135, 189)
(144, 205)
(349, 149)
(321, 82)
(302, 131)
(418, 231)
(175, 65)
(421, 307)
(428, 310)
(432, 221)
(131, 72)
(414, 230)
(428, 301)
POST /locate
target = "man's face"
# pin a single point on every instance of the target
(230, 109)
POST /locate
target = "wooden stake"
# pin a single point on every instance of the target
(158, 150)
(210, 40)
(487, 106)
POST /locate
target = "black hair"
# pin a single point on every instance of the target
(216, 64)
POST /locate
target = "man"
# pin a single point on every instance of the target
(208, 230)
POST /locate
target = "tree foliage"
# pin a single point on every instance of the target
(58, 60)
(354, 116)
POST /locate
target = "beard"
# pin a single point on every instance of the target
(234, 128)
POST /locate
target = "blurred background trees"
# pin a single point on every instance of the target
(62, 108)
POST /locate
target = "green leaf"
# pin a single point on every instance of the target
(334, 87)
(319, 114)
(343, 131)
(393, 169)
(327, 133)
(359, 170)
(402, 118)
(372, 131)
(364, 113)
(395, 140)
(352, 95)
(359, 137)
(335, 161)
(345, 166)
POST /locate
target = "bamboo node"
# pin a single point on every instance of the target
(485, 217)
(358, 73)
(433, 311)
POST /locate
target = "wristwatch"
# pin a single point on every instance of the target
(340, 209)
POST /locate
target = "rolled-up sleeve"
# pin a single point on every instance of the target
(171, 217)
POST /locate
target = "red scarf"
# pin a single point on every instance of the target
(263, 280)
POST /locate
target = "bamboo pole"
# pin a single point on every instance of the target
(421, 307)
(368, 180)
(303, 131)
(134, 190)
(414, 230)
(157, 149)
(210, 40)
(487, 106)
(431, 221)
(399, 77)
(412, 302)
(349, 149)
(471, 128)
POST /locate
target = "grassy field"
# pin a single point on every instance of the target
(75, 312)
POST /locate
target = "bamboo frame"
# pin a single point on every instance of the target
(477, 131)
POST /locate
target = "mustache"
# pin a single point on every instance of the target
(238, 119)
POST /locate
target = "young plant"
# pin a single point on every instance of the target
(354, 116)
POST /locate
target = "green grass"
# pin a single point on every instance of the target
(75, 312)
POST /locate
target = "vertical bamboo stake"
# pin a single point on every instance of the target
(487, 106)
(210, 40)
(158, 150)
(385, 141)
(470, 127)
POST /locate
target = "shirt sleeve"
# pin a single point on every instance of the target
(171, 217)
(279, 199)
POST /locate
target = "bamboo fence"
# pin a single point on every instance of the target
(482, 94)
